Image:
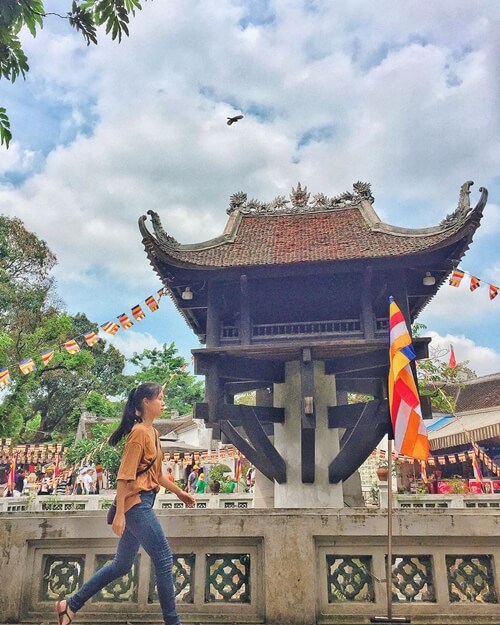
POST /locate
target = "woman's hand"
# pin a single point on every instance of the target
(187, 498)
(118, 526)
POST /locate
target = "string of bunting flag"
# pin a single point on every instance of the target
(72, 346)
(474, 282)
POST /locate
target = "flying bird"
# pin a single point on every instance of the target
(232, 120)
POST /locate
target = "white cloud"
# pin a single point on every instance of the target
(409, 93)
(132, 342)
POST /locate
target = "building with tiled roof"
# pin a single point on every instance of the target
(292, 300)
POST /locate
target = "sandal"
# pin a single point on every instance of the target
(62, 613)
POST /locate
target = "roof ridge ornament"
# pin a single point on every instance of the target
(459, 215)
(160, 233)
(299, 202)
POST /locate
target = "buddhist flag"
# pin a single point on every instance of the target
(423, 471)
(152, 303)
(27, 365)
(4, 376)
(72, 347)
(478, 474)
(111, 327)
(493, 291)
(456, 277)
(474, 283)
(91, 338)
(410, 433)
(138, 313)
(452, 362)
(47, 356)
(11, 477)
(125, 321)
(237, 469)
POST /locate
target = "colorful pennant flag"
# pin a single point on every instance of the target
(452, 362)
(410, 433)
(125, 321)
(72, 346)
(138, 313)
(27, 365)
(474, 283)
(152, 303)
(423, 471)
(4, 376)
(452, 459)
(47, 356)
(111, 327)
(493, 291)
(441, 460)
(456, 277)
(91, 338)
(161, 293)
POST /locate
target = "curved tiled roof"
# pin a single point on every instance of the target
(343, 228)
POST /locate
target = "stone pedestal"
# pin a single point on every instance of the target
(287, 440)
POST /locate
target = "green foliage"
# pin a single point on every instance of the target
(218, 472)
(32, 321)
(100, 405)
(5, 133)
(167, 366)
(97, 450)
(85, 16)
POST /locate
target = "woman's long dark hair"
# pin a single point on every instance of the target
(148, 390)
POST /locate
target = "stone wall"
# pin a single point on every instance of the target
(293, 567)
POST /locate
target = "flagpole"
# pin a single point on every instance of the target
(388, 572)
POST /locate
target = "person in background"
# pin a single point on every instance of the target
(215, 487)
(201, 485)
(135, 523)
(230, 484)
(192, 479)
(46, 487)
(88, 482)
(170, 474)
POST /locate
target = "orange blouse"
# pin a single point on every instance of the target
(143, 444)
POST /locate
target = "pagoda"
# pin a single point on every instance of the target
(291, 301)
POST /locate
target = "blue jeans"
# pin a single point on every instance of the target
(142, 528)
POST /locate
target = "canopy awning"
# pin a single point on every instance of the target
(467, 427)
(179, 446)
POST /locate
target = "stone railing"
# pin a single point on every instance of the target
(293, 567)
(447, 501)
(72, 503)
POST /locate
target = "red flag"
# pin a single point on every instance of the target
(452, 362)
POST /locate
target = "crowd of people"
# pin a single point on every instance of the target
(28, 482)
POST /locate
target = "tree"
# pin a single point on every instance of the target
(85, 16)
(435, 377)
(97, 450)
(46, 402)
(166, 366)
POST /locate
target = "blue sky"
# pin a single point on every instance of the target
(402, 95)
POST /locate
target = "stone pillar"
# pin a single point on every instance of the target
(263, 492)
(287, 436)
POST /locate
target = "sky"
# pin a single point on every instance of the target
(404, 95)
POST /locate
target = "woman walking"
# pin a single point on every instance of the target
(139, 479)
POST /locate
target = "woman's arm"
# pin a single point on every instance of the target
(187, 498)
(118, 526)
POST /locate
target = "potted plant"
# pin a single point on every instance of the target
(382, 470)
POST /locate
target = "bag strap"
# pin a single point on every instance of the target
(150, 464)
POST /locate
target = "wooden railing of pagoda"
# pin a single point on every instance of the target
(324, 329)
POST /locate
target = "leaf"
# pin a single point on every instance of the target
(5, 133)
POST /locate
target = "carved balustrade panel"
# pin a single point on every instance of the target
(227, 578)
(349, 578)
(471, 578)
(62, 575)
(413, 579)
